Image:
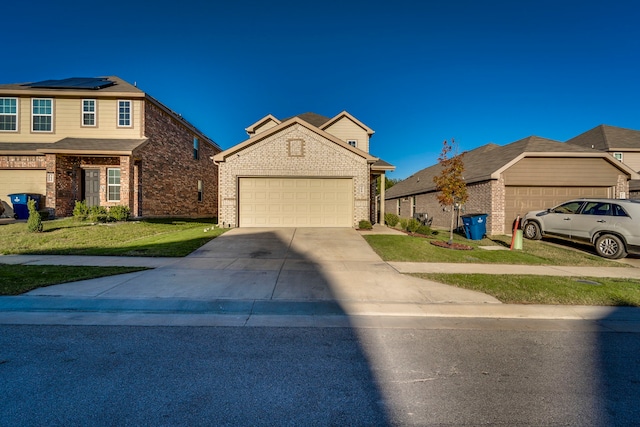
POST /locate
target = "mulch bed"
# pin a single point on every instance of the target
(456, 246)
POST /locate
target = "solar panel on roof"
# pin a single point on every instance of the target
(93, 83)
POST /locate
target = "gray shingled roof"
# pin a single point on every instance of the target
(312, 118)
(119, 86)
(480, 163)
(607, 138)
(21, 147)
(93, 145)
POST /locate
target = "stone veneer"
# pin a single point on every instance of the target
(294, 151)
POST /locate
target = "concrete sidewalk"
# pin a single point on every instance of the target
(250, 274)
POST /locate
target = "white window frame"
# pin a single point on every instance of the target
(4, 113)
(93, 113)
(352, 142)
(196, 148)
(125, 122)
(618, 156)
(34, 115)
(200, 190)
(399, 207)
(113, 185)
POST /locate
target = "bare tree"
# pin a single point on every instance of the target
(450, 183)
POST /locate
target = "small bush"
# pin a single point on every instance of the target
(34, 223)
(81, 211)
(119, 213)
(98, 214)
(391, 219)
(424, 230)
(403, 223)
(365, 225)
(413, 225)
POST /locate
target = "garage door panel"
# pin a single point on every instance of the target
(295, 202)
(520, 200)
(22, 181)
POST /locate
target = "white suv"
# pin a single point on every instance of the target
(612, 226)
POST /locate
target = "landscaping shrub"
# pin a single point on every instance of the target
(98, 214)
(365, 225)
(34, 223)
(391, 219)
(119, 213)
(413, 225)
(424, 230)
(80, 210)
(403, 223)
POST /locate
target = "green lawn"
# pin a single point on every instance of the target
(514, 289)
(526, 289)
(17, 279)
(155, 238)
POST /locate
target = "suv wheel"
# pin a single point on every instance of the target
(532, 231)
(610, 246)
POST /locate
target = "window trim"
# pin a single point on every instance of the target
(17, 100)
(615, 156)
(200, 190)
(110, 185)
(130, 112)
(196, 148)
(94, 113)
(33, 115)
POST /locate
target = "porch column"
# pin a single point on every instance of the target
(127, 185)
(382, 191)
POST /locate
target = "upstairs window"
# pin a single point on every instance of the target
(42, 115)
(352, 142)
(618, 156)
(113, 185)
(8, 114)
(200, 190)
(196, 148)
(124, 113)
(88, 112)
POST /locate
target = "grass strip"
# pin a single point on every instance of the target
(531, 289)
(18, 279)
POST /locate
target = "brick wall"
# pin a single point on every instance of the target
(168, 172)
(486, 197)
(314, 157)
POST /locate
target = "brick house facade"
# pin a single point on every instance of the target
(307, 175)
(126, 149)
(508, 181)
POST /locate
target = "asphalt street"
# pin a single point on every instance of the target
(436, 372)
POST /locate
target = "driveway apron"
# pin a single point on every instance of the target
(277, 264)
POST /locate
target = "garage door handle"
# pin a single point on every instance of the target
(567, 219)
(602, 221)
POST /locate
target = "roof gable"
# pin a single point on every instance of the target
(263, 124)
(220, 157)
(344, 115)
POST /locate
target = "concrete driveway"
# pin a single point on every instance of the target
(283, 264)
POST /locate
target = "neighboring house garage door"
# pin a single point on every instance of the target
(296, 202)
(22, 181)
(520, 200)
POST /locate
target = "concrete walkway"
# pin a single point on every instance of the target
(260, 273)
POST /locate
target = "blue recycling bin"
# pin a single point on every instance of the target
(19, 202)
(475, 226)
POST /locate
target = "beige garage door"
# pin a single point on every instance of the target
(22, 181)
(520, 200)
(296, 202)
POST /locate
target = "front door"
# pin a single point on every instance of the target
(92, 187)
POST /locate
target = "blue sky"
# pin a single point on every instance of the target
(417, 72)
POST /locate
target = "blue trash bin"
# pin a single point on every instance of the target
(19, 202)
(475, 226)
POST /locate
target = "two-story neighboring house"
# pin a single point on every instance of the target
(104, 141)
(304, 171)
(623, 144)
